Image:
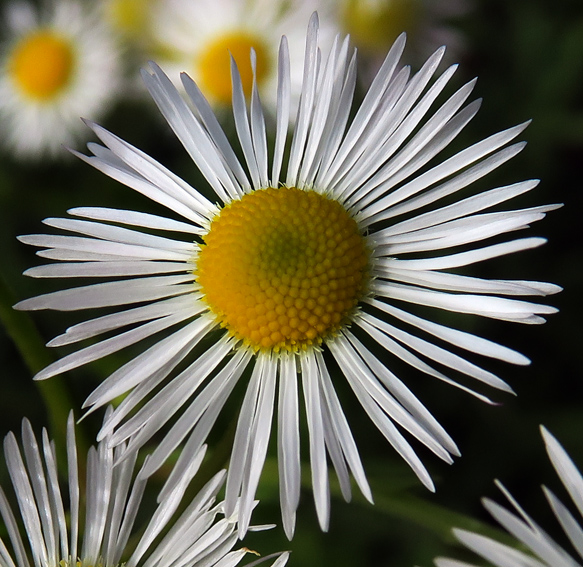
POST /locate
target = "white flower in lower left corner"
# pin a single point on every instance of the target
(56, 65)
(112, 502)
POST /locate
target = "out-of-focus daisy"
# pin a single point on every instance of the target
(297, 277)
(57, 65)
(200, 37)
(545, 551)
(58, 537)
(375, 24)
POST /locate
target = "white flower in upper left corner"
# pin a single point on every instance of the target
(57, 66)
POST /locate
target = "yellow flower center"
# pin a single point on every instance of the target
(375, 24)
(283, 268)
(214, 64)
(41, 64)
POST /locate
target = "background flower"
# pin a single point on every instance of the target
(111, 501)
(56, 65)
(197, 38)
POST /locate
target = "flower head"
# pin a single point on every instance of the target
(200, 38)
(56, 66)
(293, 275)
(544, 551)
(112, 503)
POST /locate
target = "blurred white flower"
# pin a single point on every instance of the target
(57, 537)
(56, 65)
(198, 37)
(543, 550)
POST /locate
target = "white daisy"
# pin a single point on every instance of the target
(112, 503)
(199, 37)
(544, 551)
(56, 66)
(294, 275)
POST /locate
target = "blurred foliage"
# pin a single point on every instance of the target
(528, 55)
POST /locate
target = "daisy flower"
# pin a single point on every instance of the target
(200, 37)
(297, 278)
(544, 551)
(56, 65)
(112, 504)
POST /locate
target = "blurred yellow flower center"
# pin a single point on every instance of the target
(375, 24)
(283, 269)
(41, 64)
(214, 64)
(130, 17)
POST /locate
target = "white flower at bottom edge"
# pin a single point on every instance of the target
(545, 551)
(56, 65)
(294, 276)
(112, 502)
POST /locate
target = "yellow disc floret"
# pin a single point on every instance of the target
(283, 268)
(214, 63)
(41, 64)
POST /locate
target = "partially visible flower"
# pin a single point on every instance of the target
(543, 550)
(57, 537)
(297, 271)
(200, 37)
(56, 65)
(375, 24)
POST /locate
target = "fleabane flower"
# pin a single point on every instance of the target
(297, 278)
(199, 38)
(57, 64)
(58, 537)
(543, 550)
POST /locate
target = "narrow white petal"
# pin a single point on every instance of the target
(113, 321)
(261, 429)
(570, 526)
(110, 294)
(462, 339)
(134, 218)
(258, 127)
(347, 361)
(288, 443)
(487, 306)
(318, 464)
(26, 501)
(466, 258)
(242, 126)
(565, 467)
(172, 348)
(438, 354)
(342, 429)
(283, 109)
(109, 346)
(304, 118)
(215, 131)
(195, 139)
(460, 181)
